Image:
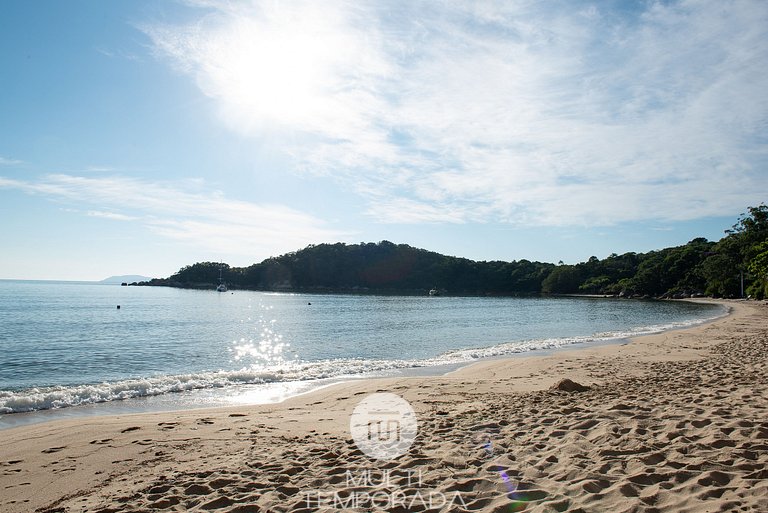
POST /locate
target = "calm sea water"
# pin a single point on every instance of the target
(67, 344)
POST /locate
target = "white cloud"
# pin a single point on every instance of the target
(210, 221)
(115, 216)
(9, 162)
(280, 64)
(554, 114)
(403, 210)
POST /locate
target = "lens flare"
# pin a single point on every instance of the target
(517, 497)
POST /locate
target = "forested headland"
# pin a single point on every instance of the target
(700, 267)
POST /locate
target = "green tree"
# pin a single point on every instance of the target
(595, 285)
(564, 279)
(725, 268)
(758, 266)
(651, 277)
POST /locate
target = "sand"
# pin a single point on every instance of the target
(670, 422)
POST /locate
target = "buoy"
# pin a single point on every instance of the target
(118, 307)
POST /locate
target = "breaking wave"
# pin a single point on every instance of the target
(45, 398)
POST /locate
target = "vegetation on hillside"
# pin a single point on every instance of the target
(698, 267)
(369, 268)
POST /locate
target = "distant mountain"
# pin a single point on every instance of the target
(128, 278)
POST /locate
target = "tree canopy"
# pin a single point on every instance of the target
(698, 267)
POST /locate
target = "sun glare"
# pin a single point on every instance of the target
(286, 71)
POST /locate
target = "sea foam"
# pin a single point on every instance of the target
(45, 398)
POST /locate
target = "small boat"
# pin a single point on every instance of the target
(222, 286)
(434, 292)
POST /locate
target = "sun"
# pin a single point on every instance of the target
(286, 70)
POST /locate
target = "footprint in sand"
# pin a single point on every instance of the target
(128, 429)
(53, 449)
(198, 489)
(219, 503)
(165, 503)
(595, 485)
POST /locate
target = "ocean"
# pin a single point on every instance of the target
(67, 349)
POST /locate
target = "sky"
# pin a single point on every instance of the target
(137, 137)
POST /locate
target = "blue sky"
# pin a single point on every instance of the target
(139, 137)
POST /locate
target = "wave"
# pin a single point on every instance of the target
(524, 346)
(46, 398)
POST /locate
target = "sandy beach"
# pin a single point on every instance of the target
(671, 422)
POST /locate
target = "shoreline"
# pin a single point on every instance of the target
(631, 346)
(276, 392)
(674, 421)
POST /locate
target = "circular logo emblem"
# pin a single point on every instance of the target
(383, 426)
